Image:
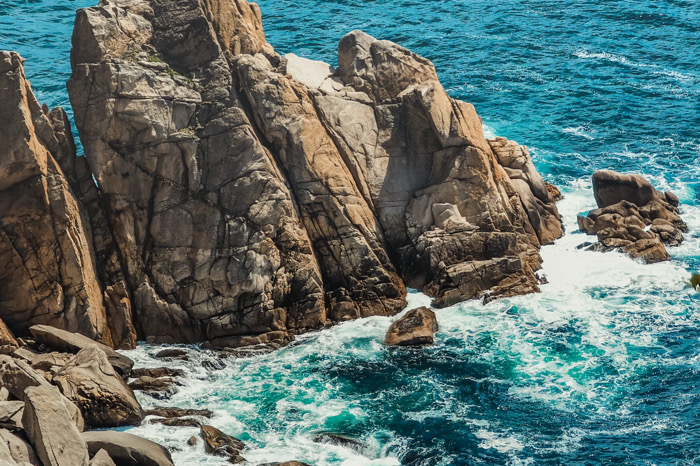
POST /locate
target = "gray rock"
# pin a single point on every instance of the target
(50, 429)
(101, 394)
(101, 458)
(416, 328)
(20, 450)
(127, 449)
(74, 342)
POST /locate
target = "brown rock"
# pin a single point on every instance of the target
(6, 336)
(156, 372)
(220, 444)
(47, 266)
(11, 415)
(101, 394)
(640, 221)
(416, 328)
(50, 429)
(162, 387)
(177, 412)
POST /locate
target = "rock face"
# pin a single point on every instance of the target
(633, 217)
(103, 397)
(416, 328)
(48, 271)
(240, 193)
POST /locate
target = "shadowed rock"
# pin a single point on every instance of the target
(416, 328)
(220, 444)
(101, 458)
(20, 451)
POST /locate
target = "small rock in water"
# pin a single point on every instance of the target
(416, 328)
(159, 388)
(218, 443)
(339, 439)
(158, 372)
(192, 441)
(178, 412)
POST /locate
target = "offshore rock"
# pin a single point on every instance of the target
(416, 328)
(48, 272)
(633, 217)
(240, 193)
(221, 444)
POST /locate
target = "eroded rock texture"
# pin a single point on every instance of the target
(48, 272)
(242, 193)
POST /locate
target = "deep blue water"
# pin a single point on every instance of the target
(602, 367)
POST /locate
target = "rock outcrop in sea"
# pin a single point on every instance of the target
(231, 195)
(633, 216)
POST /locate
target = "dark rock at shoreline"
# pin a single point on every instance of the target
(633, 217)
(221, 444)
(172, 353)
(416, 328)
(160, 388)
(157, 372)
(170, 412)
(339, 439)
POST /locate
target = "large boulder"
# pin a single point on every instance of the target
(416, 328)
(48, 269)
(633, 217)
(74, 342)
(50, 429)
(101, 458)
(127, 449)
(6, 336)
(17, 376)
(101, 394)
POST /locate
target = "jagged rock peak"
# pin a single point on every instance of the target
(243, 193)
(48, 272)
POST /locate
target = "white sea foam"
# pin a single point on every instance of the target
(594, 295)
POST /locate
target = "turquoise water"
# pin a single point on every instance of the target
(603, 365)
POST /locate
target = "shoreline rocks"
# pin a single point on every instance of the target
(633, 217)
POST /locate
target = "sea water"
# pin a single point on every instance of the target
(601, 367)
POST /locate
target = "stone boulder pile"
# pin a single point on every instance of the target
(633, 217)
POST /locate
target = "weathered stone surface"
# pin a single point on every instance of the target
(416, 328)
(11, 414)
(633, 216)
(50, 429)
(43, 361)
(171, 353)
(20, 450)
(101, 458)
(47, 266)
(101, 394)
(221, 444)
(75, 342)
(178, 412)
(240, 194)
(161, 387)
(156, 372)
(127, 449)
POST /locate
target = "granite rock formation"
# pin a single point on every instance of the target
(239, 193)
(633, 217)
(416, 328)
(235, 196)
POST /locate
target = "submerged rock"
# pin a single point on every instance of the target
(416, 328)
(633, 217)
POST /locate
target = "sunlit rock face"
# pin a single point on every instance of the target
(243, 193)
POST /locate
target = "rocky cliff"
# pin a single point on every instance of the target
(232, 195)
